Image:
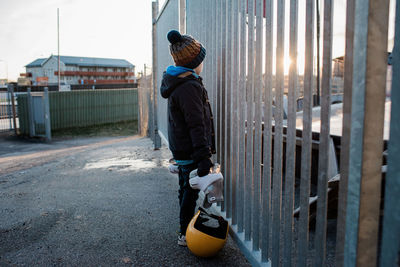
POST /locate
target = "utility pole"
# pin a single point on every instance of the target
(58, 45)
(157, 139)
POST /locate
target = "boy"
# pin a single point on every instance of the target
(190, 124)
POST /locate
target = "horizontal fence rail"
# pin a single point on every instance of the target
(302, 182)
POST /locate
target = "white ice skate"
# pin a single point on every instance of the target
(203, 182)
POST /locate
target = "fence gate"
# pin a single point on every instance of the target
(39, 114)
(8, 115)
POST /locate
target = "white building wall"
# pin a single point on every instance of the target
(36, 72)
(50, 66)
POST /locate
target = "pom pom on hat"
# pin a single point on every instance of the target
(174, 37)
(185, 50)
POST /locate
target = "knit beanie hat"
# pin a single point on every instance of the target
(185, 50)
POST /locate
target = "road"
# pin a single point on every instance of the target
(92, 202)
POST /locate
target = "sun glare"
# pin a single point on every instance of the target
(287, 62)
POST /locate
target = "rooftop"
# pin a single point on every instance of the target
(85, 61)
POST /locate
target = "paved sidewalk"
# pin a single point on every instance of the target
(93, 202)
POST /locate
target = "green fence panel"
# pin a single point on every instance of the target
(84, 108)
(92, 107)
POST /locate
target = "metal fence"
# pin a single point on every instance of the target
(8, 121)
(299, 189)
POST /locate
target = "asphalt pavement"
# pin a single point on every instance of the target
(93, 202)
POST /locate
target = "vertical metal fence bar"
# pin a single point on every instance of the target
(306, 136)
(290, 138)
(214, 65)
(324, 138)
(223, 95)
(219, 77)
(207, 34)
(235, 106)
(391, 220)
(257, 127)
(204, 26)
(210, 52)
(200, 21)
(278, 138)
(345, 140)
(228, 111)
(29, 100)
(182, 16)
(249, 136)
(242, 127)
(267, 135)
(369, 70)
(12, 113)
(10, 89)
(374, 110)
(46, 113)
(357, 117)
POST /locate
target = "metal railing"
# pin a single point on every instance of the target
(8, 114)
(280, 190)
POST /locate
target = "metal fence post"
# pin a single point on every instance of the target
(278, 137)
(242, 119)
(182, 16)
(222, 103)
(235, 106)
(30, 113)
(366, 139)
(157, 139)
(227, 108)
(256, 190)
(249, 137)
(345, 140)
(324, 138)
(8, 101)
(302, 246)
(267, 135)
(391, 219)
(46, 109)
(14, 113)
(290, 138)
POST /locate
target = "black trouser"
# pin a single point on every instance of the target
(187, 196)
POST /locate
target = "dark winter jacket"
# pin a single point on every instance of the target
(190, 121)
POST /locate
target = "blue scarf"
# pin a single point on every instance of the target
(178, 70)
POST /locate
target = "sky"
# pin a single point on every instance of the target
(88, 28)
(99, 28)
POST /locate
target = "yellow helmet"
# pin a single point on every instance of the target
(206, 234)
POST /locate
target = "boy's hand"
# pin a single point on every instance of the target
(203, 168)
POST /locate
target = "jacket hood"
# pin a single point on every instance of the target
(171, 80)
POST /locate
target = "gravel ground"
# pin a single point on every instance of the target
(92, 202)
